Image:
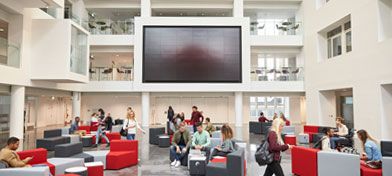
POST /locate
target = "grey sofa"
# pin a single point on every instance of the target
(335, 163)
(154, 133)
(387, 166)
(259, 127)
(73, 150)
(233, 167)
(33, 171)
(386, 148)
(51, 139)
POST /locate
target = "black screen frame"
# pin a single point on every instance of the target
(191, 81)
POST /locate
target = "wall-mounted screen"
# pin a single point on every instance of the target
(192, 54)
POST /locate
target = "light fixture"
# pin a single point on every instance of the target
(91, 56)
(52, 97)
(1, 30)
(181, 14)
(117, 55)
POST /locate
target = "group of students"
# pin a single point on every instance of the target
(196, 117)
(264, 119)
(371, 151)
(183, 141)
(104, 124)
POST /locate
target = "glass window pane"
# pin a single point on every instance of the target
(348, 42)
(270, 101)
(260, 101)
(329, 48)
(252, 99)
(337, 46)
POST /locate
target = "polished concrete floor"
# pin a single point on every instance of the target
(154, 161)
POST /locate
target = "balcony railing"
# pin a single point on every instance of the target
(111, 74)
(278, 74)
(275, 28)
(9, 54)
(110, 27)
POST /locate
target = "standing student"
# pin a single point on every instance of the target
(262, 118)
(227, 143)
(101, 113)
(276, 146)
(170, 114)
(342, 131)
(372, 152)
(131, 125)
(196, 116)
(108, 122)
(275, 116)
(100, 131)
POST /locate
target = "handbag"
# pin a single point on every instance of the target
(124, 132)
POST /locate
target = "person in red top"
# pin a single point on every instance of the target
(196, 115)
(276, 146)
(262, 118)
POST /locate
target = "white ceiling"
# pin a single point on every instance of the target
(116, 14)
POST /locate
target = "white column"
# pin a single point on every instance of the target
(238, 8)
(238, 109)
(76, 104)
(17, 113)
(145, 8)
(145, 109)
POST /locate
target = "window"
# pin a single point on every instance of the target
(384, 19)
(339, 39)
(268, 105)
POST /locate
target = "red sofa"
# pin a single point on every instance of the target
(188, 122)
(39, 157)
(304, 161)
(366, 171)
(310, 129)
(111, 136)
(123, 153)
(86, 128)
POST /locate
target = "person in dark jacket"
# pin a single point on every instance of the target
(276, 146)
(108, 122)
(196, 116)
(170, 114)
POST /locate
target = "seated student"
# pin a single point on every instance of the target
(286, 122)
(227, 145)
(372, 152)
(75, 128)
(325, 141)
(209, 127)
(262, 118)
(94, 118)
(201, 139)
(8, 154)
(180, 144)
(342, 131)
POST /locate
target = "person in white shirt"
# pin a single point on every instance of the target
(326, 140)
(94, 117)
(342, 131)
(131, 125)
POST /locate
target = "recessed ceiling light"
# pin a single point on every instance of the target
(1, 30)
(117, 55)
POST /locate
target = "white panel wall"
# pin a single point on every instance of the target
(386, 94)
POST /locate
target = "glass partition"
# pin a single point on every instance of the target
(111, 27)
(111, 73)
(272, 27)
(9, 53)
(269, 106)
(78, 63)
(277, 74)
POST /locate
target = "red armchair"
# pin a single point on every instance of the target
(39, 157)
(304, 161)
(366, 171)
(309, 129)
(86, 128)
(123, 153)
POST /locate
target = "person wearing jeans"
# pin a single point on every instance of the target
(131, 125)
(342, 131)
(180, 145)
(101, 133)
(201, 140)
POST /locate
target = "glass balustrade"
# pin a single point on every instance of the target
(267, 27)
(277, 74)
(79, 47)
(110, 27)
(9, 53)
(111, 74)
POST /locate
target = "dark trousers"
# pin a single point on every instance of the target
(175, 155)
(194, 128)
(215, 152)
(274, 168)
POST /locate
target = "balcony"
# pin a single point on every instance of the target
(9, 54)
(282, 74)
(111, 74)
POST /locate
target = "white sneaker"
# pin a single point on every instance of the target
(173, 163)
(177, 164)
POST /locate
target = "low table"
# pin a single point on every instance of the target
(82, 171)
(303, 138)
(197, 165)
(87, 141)
(164, 141)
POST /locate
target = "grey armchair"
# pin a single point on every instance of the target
(51, 139)
(74, 150)
(233, 167)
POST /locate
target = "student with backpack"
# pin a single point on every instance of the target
(276, 146)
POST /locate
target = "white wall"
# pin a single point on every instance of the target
(114, 103)
(363, 69)
(386, 94)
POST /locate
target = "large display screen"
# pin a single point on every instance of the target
(192, 54)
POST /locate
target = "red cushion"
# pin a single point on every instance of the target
(86, 128)
(366, 171)
(39, 155)
(124, 145)
(304, 161)
(219, 160)
(69, 175)
(95, 170)
(310, 129)
(290, 139)
(118, 160)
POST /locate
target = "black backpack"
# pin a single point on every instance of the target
(263, 156)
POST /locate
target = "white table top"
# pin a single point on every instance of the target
(92, 164)
(76, 169)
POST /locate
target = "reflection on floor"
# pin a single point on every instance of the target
(154, 161)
